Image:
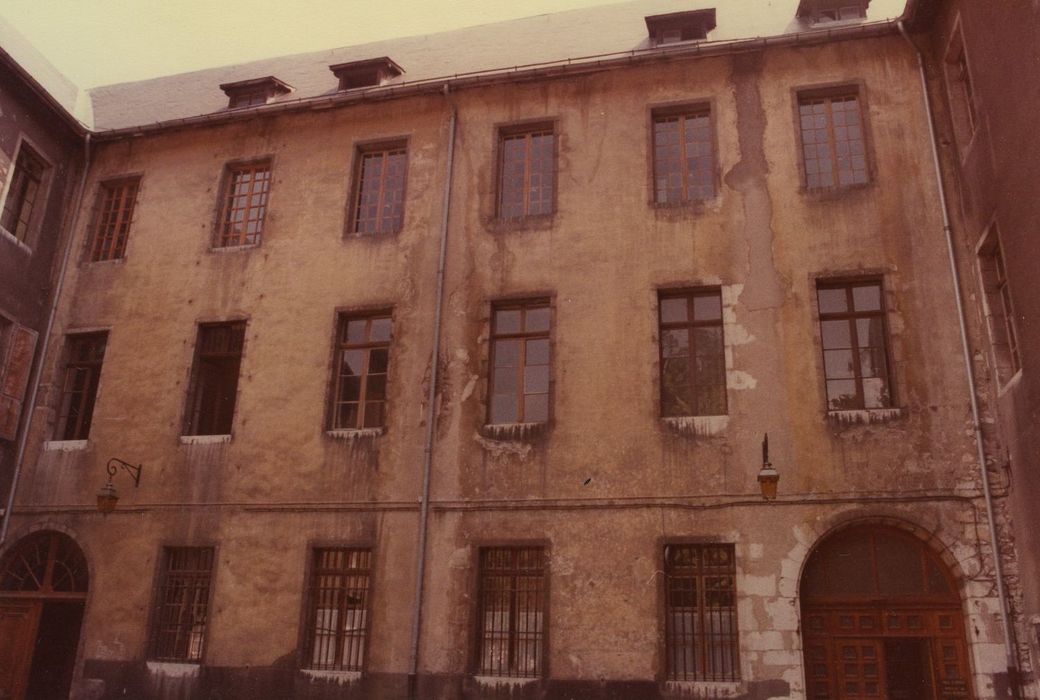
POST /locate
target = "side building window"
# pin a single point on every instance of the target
(360, 371)
(114, 213)
(520, 364)
(24, 194)
(526, 171)
(512, 607)
(1000, 312)
(182, 604)
(85, 354)
(337, 609)
(693, 357)
(834, 152)
(964, 110)
(243, 204)
(855, 344)
(17, 347)
(379, 189)
(701, 636)
(214, 378)
(684, 155)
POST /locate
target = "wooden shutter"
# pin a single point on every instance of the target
(14, 377)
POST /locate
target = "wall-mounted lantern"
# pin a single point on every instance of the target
(768, 478)
(107, 497)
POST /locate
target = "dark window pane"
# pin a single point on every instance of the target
(832, 300)
(674, 309)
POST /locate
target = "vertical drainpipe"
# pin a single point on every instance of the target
(30, 405)
(431, 412)
(1009, 645)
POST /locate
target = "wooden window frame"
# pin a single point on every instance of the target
(683, 113)
(114, 210)
(998, 306)
(176, 582)
(960, 90)
(193, 414)
(225, 237)
(345, 645)
(692, 580)
(15, 199)
(691, 324)
(75, 424)
(527, 131)
(511, 633)
(393, 223)
(523, 336)
(851, 315)
(343, 345)
(831, 94)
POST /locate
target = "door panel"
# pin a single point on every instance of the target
(18, 621)
(859, 663)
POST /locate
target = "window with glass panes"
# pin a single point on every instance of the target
(182, 604)
(85, 354)
(520, 362)
(244, 204)
(526, 172)
(999, 309)
(512, 605)
(684, 158)
(362, 360)
(693, 356)
(833, 146)
(337, 615)
(115, 211)
(855, 346)
(379, 190)
(701, 638)
(23, 193)
(214, 378)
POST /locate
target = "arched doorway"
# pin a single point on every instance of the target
(881, 619)
(43, 590)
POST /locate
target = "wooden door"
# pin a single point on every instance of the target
(859, 664)
(18, 622)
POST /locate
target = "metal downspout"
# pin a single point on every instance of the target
(1009, 645)
(431, 413)
(30, 407)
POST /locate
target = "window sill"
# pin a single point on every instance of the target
(828, 194)
(174, 669)
(332, 675)
(707, 689)
(65, 445)
(4, 233)
(697, 426)
(1011, 383)
(109, 261)
(504, 681)
(204, 439)
(514, 432)
(867, 416)
(233, 248)
(537, 222)
(354, 433)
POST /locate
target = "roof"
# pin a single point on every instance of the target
(69, 100)
(541, 39)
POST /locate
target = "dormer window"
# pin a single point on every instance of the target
(372, 72)
(826, 11)
(255, 92)
(680, 26)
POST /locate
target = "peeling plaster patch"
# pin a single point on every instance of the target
(705, 689)
(338, 677)
(459, 558)
(499, 448)
(700, 426)
(865, 417)
(462, 355)
(166, 669)
(739, 380)
(467, 390)
(502, 681)
(758, 585)
(755, 551)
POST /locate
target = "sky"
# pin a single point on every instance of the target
(100, 42)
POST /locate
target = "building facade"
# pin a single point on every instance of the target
(426, 386)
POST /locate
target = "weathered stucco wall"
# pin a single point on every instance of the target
(607, 481)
